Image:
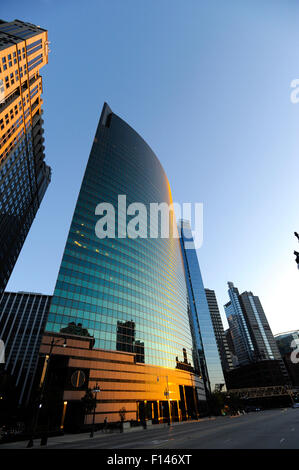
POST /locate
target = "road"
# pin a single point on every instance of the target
(271, 429)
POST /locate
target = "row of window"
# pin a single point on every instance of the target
(11, 59)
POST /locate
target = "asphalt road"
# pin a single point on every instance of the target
(272, 429)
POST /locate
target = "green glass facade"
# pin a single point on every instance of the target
(130, 294)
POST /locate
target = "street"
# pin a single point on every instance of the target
(272, 429)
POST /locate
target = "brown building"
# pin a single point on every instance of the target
(146, 392)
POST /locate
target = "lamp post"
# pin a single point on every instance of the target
(95, 391)
(166, 394)
(296, 252)
(42, 392)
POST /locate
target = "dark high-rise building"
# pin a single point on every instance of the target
(128, 292)
(262, 337)
(240, 335)
(23, 317)
(199, 313)
(231, 347)
(266, 373)
(288, 345)
(251, 333)
(24, 176)
(287, 342)
(224, 353)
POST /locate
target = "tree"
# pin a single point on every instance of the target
(88, 401)
(217, 402)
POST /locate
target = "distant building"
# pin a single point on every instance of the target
(200, 315)
(250, 331)
(224, 352)
(243, 346)
(288, 345)
(24, 176)
(287, 342)
(231, 347)
(23, 316)
(256, 374)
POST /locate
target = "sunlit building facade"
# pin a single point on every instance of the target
(128, 293)
(24, 176)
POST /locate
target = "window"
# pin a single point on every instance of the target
(34, 50)
(36, 43)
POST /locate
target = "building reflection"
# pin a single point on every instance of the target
(125, 340)
(184, 365)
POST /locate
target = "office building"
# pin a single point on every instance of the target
(288, 345)
(243, 346)
(231, 347)
(24, 176)
(200, 316)
(128, 293)
(265, 373)
(287, 342)
(250, 331)
(23, 316)
(224, 353)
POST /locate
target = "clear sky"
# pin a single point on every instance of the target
(207, 85)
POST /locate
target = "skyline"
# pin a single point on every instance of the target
(170, 124)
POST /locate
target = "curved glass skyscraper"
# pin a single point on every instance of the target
(129, 294)
(121, 300)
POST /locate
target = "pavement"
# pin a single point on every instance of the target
(271, 429)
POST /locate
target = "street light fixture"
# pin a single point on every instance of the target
(166, 394)
(95, 391)
(296, 252)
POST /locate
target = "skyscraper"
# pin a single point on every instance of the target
(243, 346)
(251, 332)
(288, 345)
(263, 340)
(128, 293)
(200, 315)
(23, 316)
(24, 176)
(225, 356)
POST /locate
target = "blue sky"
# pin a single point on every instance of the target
(207, 85)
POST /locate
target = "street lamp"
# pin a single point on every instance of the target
(166, 394)
(42, 392)
(95, 391)
(296, 252)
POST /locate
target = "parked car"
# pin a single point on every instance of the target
(295, 405)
